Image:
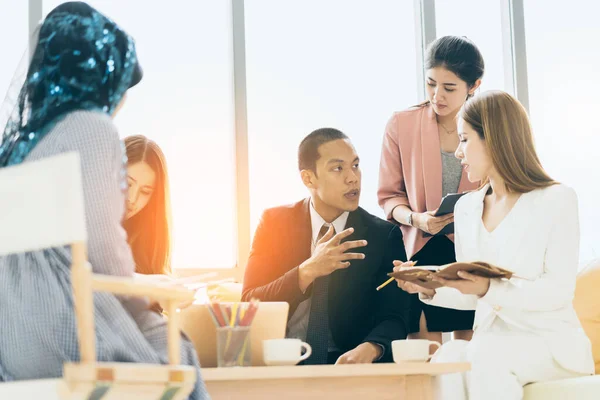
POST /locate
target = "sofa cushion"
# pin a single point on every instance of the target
(587, 306)
(583, 388)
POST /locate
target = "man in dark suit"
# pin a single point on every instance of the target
(325, 256)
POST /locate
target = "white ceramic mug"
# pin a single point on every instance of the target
(285, 351)
(412, 350)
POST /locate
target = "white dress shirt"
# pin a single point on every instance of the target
(298, 323)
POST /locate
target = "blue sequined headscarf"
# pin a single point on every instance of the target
(82, 61)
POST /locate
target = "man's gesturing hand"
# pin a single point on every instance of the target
(328, 256)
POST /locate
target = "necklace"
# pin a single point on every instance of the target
(446, 129)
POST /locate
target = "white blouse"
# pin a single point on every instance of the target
(537, 240)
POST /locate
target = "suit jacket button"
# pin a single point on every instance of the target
(497, 308)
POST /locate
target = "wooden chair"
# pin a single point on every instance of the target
(47, 210)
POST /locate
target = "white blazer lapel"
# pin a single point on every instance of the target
(468, 217)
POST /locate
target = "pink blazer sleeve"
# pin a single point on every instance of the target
(392, 188)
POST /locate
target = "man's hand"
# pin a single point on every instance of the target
(329, 255)
(364, 353)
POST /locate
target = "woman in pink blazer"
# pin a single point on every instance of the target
(418, 168)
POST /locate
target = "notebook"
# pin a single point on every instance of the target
(423, 275)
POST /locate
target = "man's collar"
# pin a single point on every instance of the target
(317, 221)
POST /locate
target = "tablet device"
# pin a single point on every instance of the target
(447, 204)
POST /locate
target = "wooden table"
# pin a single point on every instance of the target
(410, 381)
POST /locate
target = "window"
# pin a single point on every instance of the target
(185, 104)
(314, 64)
(14, 31)
(481, 24)
(563, 78)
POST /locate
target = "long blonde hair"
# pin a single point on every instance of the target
(502, 122)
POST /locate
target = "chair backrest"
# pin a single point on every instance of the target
(41, 204)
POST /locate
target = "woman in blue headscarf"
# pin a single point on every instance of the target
(80, 69)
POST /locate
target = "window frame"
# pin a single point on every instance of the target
(515, 66)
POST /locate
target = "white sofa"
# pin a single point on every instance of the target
(584, 388)
(587, 305)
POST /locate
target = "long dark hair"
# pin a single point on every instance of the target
(82, 61)
(149, 231)
(458, 55)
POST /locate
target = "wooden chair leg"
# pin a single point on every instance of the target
(174, 335)
(83, 298)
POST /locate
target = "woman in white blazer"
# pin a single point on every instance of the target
(526, 330)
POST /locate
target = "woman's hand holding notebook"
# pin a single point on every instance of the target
(424, 275)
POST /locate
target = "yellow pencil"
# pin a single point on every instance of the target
(234, 309)
(384, 284)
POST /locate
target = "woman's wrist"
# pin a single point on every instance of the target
(429, 295)
(408, 219)
(415, 220)
(398, 215)
(404, 215)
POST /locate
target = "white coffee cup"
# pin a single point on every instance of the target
(412, 350)
(285, 351)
